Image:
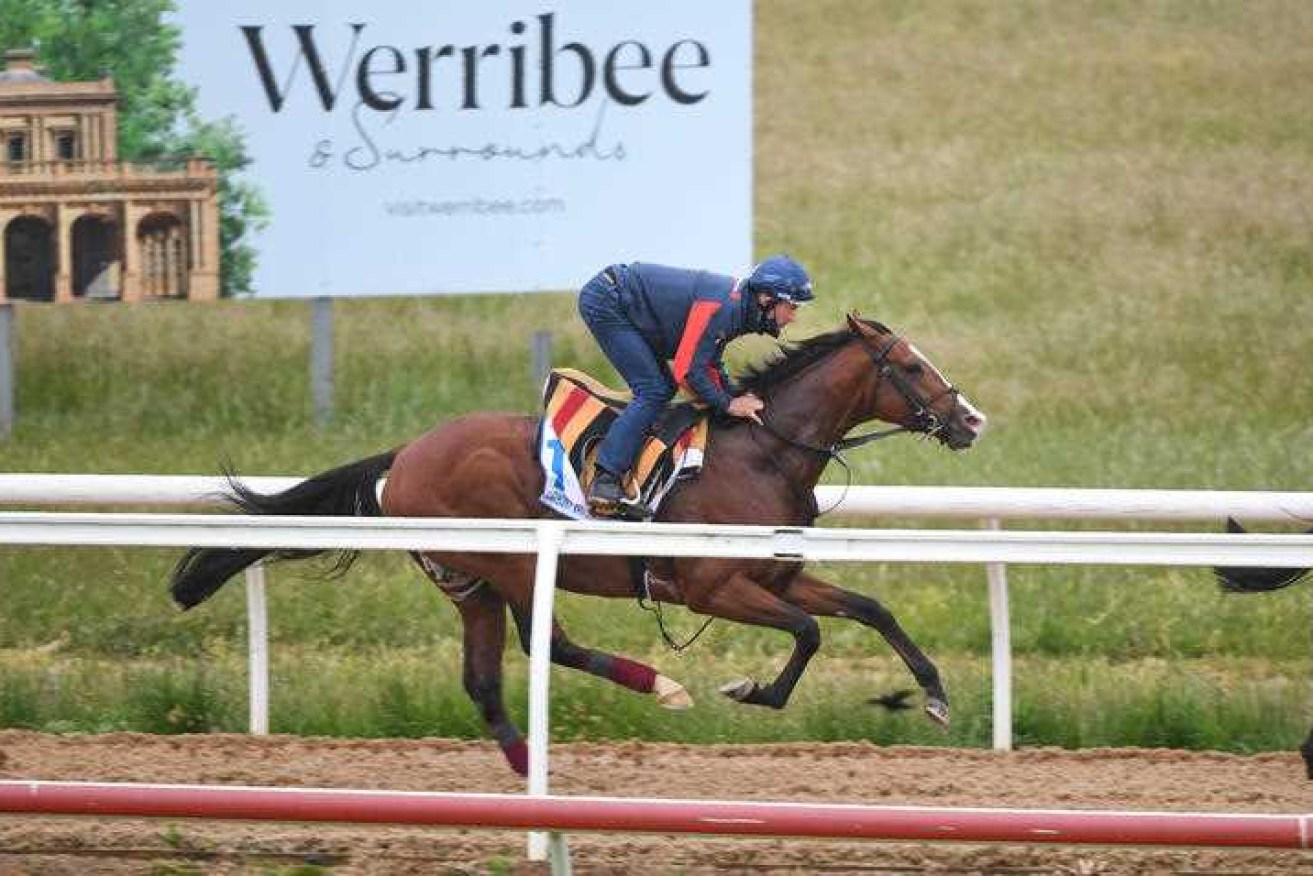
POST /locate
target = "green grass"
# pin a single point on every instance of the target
(1226, 704)
(1094, 216)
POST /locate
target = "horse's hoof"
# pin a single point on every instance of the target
(937, 710)
(671, 694)
(739, 690)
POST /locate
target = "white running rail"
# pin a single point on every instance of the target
(987, 504)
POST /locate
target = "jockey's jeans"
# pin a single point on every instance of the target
(600, 307)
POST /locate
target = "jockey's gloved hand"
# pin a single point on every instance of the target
(747, 407)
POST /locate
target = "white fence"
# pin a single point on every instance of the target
(988, 504)
(981, 503)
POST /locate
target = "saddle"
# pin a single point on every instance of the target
(577, 412)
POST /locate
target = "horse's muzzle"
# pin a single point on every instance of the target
(964, 426)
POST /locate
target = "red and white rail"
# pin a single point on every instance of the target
(628, 815)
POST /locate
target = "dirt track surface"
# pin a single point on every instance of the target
(850, 773)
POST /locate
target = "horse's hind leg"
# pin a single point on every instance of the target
(483, 613)
(483, 618)
(817, 597)
(638, 677)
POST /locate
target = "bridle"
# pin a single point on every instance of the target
(923, 420)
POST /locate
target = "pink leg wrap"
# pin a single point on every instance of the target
(634, 676)
(517, 755)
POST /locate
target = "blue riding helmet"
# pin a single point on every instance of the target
(782, 279)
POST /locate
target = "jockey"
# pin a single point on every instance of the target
(644, 315)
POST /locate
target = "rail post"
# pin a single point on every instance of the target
(257, 647)
(1000, 628)
(550, 537)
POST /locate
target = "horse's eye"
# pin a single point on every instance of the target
(915, 369)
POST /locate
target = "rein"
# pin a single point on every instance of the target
(837, 447)
(642, 577)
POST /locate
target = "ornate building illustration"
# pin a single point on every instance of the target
(77, 223)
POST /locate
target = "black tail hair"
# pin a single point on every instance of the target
(1254, 579)
(345, 491)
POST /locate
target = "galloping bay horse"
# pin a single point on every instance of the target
(485, 465)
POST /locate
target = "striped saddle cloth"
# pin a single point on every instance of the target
(578, 411)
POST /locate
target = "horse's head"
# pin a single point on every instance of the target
(911, 392)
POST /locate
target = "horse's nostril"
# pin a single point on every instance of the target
(972, 420)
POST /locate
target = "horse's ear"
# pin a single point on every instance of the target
(856, 326)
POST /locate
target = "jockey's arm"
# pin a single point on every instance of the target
(697, 359)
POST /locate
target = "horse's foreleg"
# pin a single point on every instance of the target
(638, 677)
(817, 597)
(741, 599)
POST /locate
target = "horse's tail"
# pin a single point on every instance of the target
(1254, 579)
(345, 491)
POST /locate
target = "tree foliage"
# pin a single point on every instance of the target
(131, 41)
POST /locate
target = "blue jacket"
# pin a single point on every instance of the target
(688, 316)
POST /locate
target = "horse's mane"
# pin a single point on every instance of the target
(791, 360)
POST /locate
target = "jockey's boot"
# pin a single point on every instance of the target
(607, 498)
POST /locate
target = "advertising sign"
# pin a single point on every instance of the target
(409, 148)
